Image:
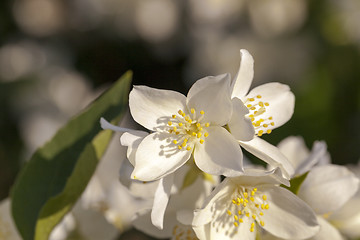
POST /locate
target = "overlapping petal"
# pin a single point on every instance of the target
(281, 102)
(212, 95)
(161, 200)
(243, 79)
(142, 221)
(240, 125)
(269, 154)
(327, 188)
(132, 140)
(288, 216)
(220, 153)
(152, 108)
(327, 231)
(158, 156)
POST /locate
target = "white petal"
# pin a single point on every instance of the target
(161, 200)
(157, 156)
(281, 102)
(244, 77)
(318, 156)
(211, 95)
(143, 223)
(240, 125)
(347, 219)
(230, 232)
(205, 214)
(7, 225)
(288, 216)
(327, 231)
(106, 125)
(153, 108)
(270, 154)
(137, 188)
(132, 141)
(254, 177)
(220, 154)
(328, 187)
(294, 148)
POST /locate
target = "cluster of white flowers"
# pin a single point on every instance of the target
(190, 162)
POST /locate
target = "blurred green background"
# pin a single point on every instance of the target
(56, 56)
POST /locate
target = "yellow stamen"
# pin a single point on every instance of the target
(258, 96)
(201, 141)
(236, 224)
(206, 134)
(180, 124)
(268, 131)
(188, 148)
(198, 135)
(192, 111)
(229, 212)
(202, 112)
(173, 116)
(175, 142)
(264, 197)
(207, 124)
(169, 123)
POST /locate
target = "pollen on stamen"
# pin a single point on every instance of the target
(173, 116)
(198, 135)
(175, 142)
(264, 197)
(202, 112)
(169, 123)
(228, 212)
(180, 124)
(192, 110)
(258, 96)
(207, 124)
(188, 148)
(268, 131)
(236, 224)
(201, 141)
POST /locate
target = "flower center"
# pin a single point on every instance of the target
(182, 232)
(257, 109)
(190, 127)
(248, 203)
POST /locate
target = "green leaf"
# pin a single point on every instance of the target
(295, 183)
(57, 174)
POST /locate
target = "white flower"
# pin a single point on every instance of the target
(160, 191)
(295, 150)
(238, 205)
(326, 189)
(178, 215)
(184, 126)
(347, 218)
(268, 106)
